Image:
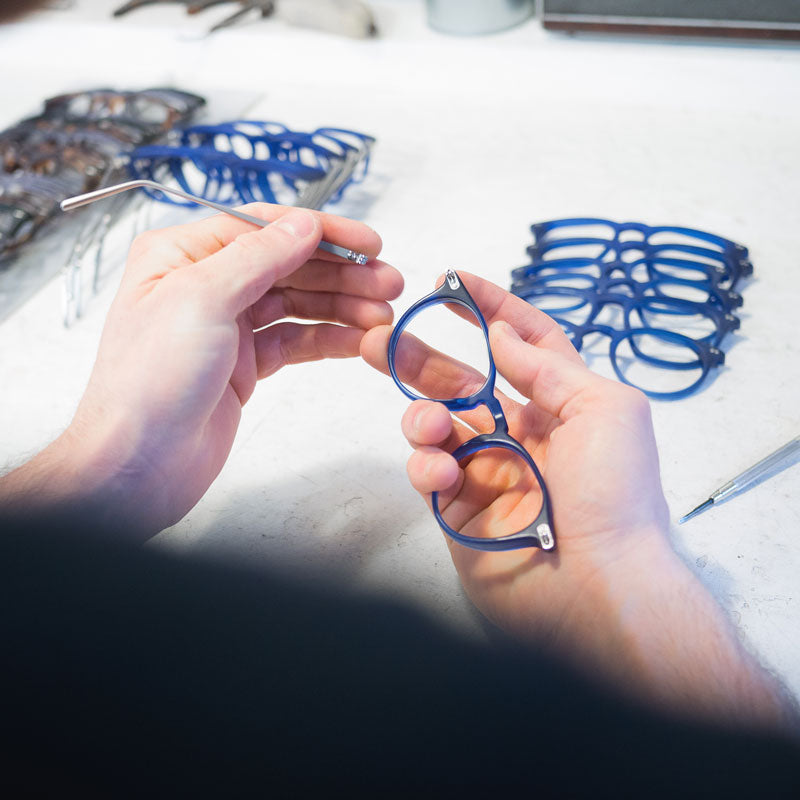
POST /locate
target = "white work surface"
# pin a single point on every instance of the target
(476, 139)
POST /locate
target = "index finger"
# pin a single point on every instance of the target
(532, 324)
(200, 238)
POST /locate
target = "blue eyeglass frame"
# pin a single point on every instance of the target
(705, 348)
(723, 321)
(230, 178)
(280, 142)
(238, 179)
(722, 274)
(724, 299)
(728, 246)
(728, 267)
(539, 533)
(283, 143)
(708, 355)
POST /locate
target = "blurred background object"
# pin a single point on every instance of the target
(351, 18)
(14, 9)
(769, 19)
(87, 140)
(469, 17)
(76, 143)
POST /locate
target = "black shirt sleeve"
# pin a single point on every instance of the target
(128, 670)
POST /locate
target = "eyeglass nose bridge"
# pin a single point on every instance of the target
(621, 228)
(488, 398)
(539, 533)
(577, 332)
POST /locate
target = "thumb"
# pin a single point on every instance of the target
(246, 268)
(548, 378)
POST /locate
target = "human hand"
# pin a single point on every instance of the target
(613, 597)
(591, 438)
(198, 319)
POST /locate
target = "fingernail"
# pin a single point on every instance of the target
(297, 222)
(418, 417)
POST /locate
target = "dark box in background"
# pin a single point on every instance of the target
(746, 19)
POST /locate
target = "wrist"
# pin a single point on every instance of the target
(645, 623)
(616, 610)
(606, 593)
(116, 473)
(83, 475)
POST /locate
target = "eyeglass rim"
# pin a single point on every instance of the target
(540, 229)
(722, 274)
(724, 300)
(539, 533)
(441, 296)
(733, 262)
(723, 320)
(708, 358)
(532, 534)
(708, 355)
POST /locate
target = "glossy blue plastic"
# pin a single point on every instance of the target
(705, 266)
(663, 287)
(266, 139)
(225, 177)
(247, 161)
(675, 287)
(540, 532)
(637, 303)
(708, 355)
(725, 267)
(591, 304)
(618, 229)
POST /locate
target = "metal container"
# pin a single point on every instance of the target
(469, 17)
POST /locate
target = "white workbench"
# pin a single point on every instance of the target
(477, 138)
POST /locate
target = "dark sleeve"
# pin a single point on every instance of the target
(126, 670)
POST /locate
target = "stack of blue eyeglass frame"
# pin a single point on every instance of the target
(246, 161)
(232, 163)
(664, 296)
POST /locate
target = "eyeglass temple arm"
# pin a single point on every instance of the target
(100, 194)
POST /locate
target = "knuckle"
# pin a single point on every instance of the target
(144, 241)
(287, 301)
(633, 400)
(247, 245)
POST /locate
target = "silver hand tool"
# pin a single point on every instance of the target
(749, 477)
(108, 191)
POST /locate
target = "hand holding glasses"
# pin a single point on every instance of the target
(539, 532)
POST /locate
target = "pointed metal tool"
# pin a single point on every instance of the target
(749, 477)
(108, 191)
